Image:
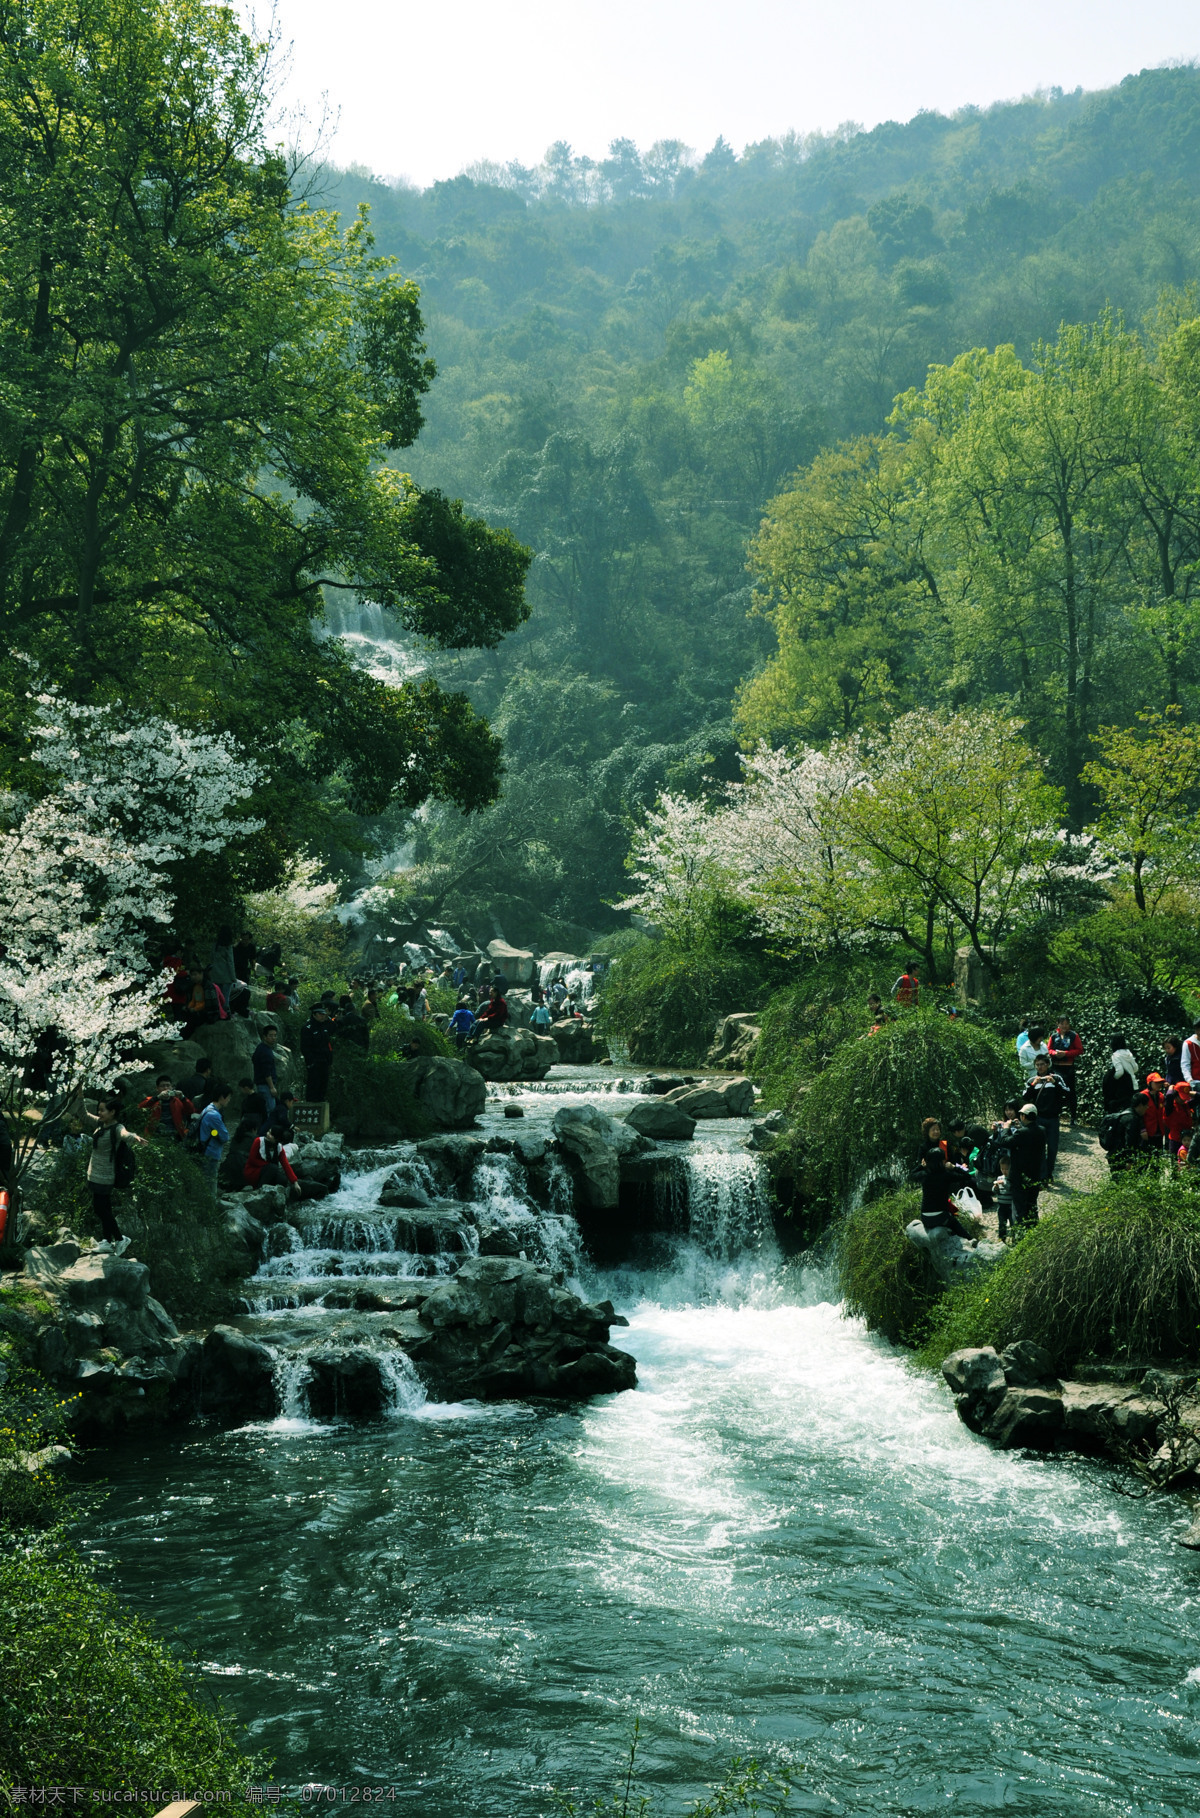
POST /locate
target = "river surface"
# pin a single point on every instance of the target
(783, 1542)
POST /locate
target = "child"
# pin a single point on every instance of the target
(1002, 1188)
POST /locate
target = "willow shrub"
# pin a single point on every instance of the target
(883, 1278)
(1111, 1274)
(662, 998)
(861, 1118)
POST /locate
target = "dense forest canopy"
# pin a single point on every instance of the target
(636, 355)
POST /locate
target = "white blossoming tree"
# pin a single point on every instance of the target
(85, 857)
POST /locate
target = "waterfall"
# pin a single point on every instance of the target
(549, 1238)
(727, 1201)
(372, 638)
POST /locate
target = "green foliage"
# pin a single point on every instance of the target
(883, 1278)
(861, 1117)
(1112, 1274)
(177, 1228)
(91, 1697)
(662, 997)
(369, 1095)
(805, 1024)
(32, 1418)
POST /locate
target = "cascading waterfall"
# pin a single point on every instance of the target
(372, 639)
(727, 1202)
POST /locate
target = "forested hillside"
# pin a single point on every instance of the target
(634, 358)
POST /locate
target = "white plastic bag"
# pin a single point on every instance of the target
(966, 1201)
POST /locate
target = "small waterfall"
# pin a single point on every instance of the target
(727, 1201)
(372, 638)
(404, 1388)
(291, 1377)
(550, 1238)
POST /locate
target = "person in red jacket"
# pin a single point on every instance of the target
(178, 1109)
(907, 988)
(1155, 1114)
(267, 1165)
(1176, 1114)
(1065, 1050)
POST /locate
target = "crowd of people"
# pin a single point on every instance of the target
(1011, 1162)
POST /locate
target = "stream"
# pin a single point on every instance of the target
(783, 1541)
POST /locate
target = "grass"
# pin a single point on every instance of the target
(883, 1278)
(1114, 1274)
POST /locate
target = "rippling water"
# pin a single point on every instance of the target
(783, 1541)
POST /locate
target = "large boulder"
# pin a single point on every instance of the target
(516, 963)
(736, 1041)
(977, 1378)
(450, 1093)
(596, 1144)
(661, 1120)
(731, 1098)
(234, 1375)
(577, 1041)
(230, 1047)
(346, 1380)
(502, 1327)
(512, 1053)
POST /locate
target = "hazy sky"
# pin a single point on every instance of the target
(424, 89)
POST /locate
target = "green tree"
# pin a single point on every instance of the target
(1147, 779)
(204, 382)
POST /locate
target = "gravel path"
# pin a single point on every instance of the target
(1081, 1168)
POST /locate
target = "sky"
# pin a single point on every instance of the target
(423, 90)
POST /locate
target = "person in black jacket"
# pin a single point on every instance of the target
(1051, 1094)
(316, 1048)
(1026, 1152)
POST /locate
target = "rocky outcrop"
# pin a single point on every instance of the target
(1014, 1398)
(661, 1120)
(450, 1094)
(230, 1046)
(766, 1131)
(736, 1042)
(731, 1098)
(232, 1376)
(502, 1327)
(512, 1053)
(953, 1257)
(594, 1145)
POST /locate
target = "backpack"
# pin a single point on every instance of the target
(1113, 1133)
(124, 1165)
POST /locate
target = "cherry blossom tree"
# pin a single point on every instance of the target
(85, 856)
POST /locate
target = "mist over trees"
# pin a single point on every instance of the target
(638, 354)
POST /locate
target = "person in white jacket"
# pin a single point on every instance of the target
(1029, 1049)
(1190, 1058)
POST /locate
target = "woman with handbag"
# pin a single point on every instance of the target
(110, 1164)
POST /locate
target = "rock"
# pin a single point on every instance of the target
(577, 1040)
(176, 1059)
(246, 1229)
(766, 1131)
(511, 1053)
(1192, 1536)
(498, 1240)
(513, 1111)
(736, 1041)
(1026, 1417)
(1087, 1407)
(502, 1327)
(230, 1046)
(732, 1098)
(953, 1257)
(452, 1159)
(977, 1379)
(658, 1086)
(434, 1232)
(404, 1188)
(1136, 1419)
(236, 1375)
(596, 1142)
(1026, 1365)
(662, 1120)
(348, 1381)
(450, 1093)
(267, 1205)
(516, 963)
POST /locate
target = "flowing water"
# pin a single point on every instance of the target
(783, 1541)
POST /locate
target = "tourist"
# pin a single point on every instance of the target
(350, 1026)
(370, 1008)
(1173, 1060)
(907, 988)
(1026, 1152)
(874, 1006)
(539, 1016)
(266, 1078)
(283, 1124)
(108, 1134)
(222, 967)
(1176, 1113)
(938, 1182)
(1065, 1049)
(75, 1142)
(1120, 1082)
(178, 1110)
(316, 1048)
(213, 1135)
(1155, 1114)
(1002, 1190)
(1031, 1047)
(201, 1005)
(1191, 1057)
(500, 980)
(267, 1165)
(244, 955)
(420, 1004)
(462, 1023)
(1047, 1091)
(1122, 1134)
(196, 1085)
(494, 1015)
(278, 999)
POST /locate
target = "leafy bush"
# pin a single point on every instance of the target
(861, 1117)
(805, 1024)
(32, 1417)
(1115, 1273)
(884, 1279)
(662, 998)
(177, 1229)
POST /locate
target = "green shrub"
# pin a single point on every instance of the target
(32, 1417)
(177, 1229)
(861, 1117)
(883, 1278)
(805, 1024)
(1143, 1016)
(1115, 1274)
(90, 1697)
(662, 998)
(370, 1099)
